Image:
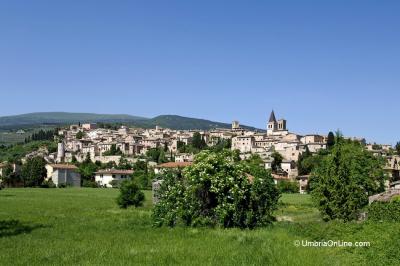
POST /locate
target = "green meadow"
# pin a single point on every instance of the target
(86, 227)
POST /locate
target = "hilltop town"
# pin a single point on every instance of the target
(279, 149)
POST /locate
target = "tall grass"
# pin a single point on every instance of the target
(86, 227)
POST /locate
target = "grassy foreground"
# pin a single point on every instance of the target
(85, 226)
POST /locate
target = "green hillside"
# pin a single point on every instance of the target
(62, 118)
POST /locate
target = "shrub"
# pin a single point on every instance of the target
(285, 186)
(384, 211)
(62, 185)
(115, 183)
(48, 184)
(130, 194)
(217, 190)
(89, 183)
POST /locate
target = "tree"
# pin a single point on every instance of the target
(342, 182)
(217, 190)
(221, 144)
(87, 169)
(130, 194)
(80, 135)
(9, 176)
(307, 161)
(285, 186)
(198, 142)
(330, 140)
(397, 147)
(113, 151)
(33, 172)
(277, 160)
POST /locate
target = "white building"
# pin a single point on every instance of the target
(105, 177)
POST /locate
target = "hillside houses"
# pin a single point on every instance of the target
(105, 145)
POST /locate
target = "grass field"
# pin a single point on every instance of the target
(85, 226)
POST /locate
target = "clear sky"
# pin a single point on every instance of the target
(322, 65)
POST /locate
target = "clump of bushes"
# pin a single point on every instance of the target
(384, 211)
(90, 183)
(130, 194)
(285, 186)
(48, 184)
(217, 190)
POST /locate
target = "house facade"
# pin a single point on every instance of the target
(107, 177)
(63, 174)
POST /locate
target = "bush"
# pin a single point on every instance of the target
(90, 183)
(62, 185)
(115, 183)
(217, 190)
(285, 186)
(130, 195)
(384, 211)
(48, 184)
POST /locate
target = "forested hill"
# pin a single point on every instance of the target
(64, 118)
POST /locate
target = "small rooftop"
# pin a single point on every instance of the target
(115, 172)
(174, 164)
(64, 166)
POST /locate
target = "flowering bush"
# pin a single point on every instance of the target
(217, 190)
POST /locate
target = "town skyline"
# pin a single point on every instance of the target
(303, 131)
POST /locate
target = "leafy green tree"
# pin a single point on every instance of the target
(80, 135)
(221, 145)
(342, 182)
(9, 177)
(198, 142)
(277, 160)
(33, 172)
(217, 190)
(113, 151)
(397, 147)
(285, 186)
(330, 140)
(130, 194)
(153, 154)
(124, 164)
(87, 170)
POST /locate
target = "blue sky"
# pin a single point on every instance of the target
(322, 65)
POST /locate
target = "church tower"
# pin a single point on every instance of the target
(276, 127)
(272, 124)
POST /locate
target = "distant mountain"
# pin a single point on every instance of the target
(63, 118)
(59, 118)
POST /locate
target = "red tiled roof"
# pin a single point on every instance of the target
(280, 177)
(174, 164)
(115, 171)
(64, 166)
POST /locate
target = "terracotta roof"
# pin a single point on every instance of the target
(64, 166)
(115, 171)
(280, 177)
(174, 164)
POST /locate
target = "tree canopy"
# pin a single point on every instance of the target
(341, 183)
(33, 172)
(218, 190)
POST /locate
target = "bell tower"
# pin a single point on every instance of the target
(272, 123)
